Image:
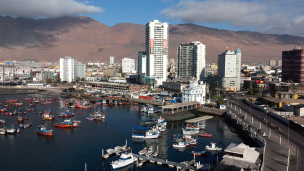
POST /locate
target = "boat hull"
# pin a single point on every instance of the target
(45, 133)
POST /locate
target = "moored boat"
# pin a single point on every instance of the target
(2, 131)
(20, 118)
(43, 130)
(124, 160)
(199, 153)
(190, 131)
(11, 130)
(205, 135)
(213, 147)
(2, 121)
(144, 133)
(143, 151)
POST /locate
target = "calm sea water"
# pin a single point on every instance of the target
(70, 149)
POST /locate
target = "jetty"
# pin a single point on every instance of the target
(141, 159)
(199, 119)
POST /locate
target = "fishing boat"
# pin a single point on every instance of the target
(27, 99)
(180, 144)
(90, 118)
(162, 121)
(27, 125)
(66, 124)
(32, 105)
(11, 130)
(48, 111)
(191, 131)
(24, 113)
(110, 104)
(2, 121)
(191, 141)
(20, 125)
(98, 103)
(62, 125)
(199, 153)
(144, 133)
(48, 116)
(2, 131)
(143, 151)
(124, 160)
(20, 118)
(205, 135)
(43, 130)
(29, 110)
(213, 147)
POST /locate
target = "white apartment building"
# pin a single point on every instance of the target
(191, 59)
(142, 59)
(112, 60)
(128, 65)
(70, 69)
(194, 92)
(229, 69)
(157, 39)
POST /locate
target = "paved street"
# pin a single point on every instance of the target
(296, 138)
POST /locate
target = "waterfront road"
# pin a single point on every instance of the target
(295, 137)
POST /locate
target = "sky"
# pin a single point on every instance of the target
(266, 16)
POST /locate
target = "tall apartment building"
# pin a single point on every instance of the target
(157, 35)
(191, 59)
(272, 63)
(112, 60)
(128, 65)
(293, 65)
(70, 69)
(142, 66)
(229, 69)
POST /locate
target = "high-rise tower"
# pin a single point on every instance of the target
(157, 36)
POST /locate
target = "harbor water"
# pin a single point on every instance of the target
(71, 148)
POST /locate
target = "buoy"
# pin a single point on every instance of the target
(135, 107)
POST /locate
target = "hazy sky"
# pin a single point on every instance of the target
(267, 16)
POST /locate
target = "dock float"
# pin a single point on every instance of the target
(164, 162)
(198, 119)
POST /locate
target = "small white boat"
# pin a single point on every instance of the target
(143, 151)
(124, 160)
(191, 141)
(150, 151)
(187, 131)
(110, 150)
(180, 144)
(2, 131)
(213, 147)
(162, 121)
(11, 130)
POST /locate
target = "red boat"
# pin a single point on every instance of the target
(48, 102)
(205, 135)
(110, 104)
(27, 99)
(62, 125)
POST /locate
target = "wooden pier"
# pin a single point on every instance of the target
(198, 119)
(142, 159)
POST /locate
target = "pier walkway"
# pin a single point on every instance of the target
(198, 119)
(166, 162)
(276, 149)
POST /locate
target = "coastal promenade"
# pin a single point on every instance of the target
(279, 152)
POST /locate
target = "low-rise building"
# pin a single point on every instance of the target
(194, 92)
(175, 86)
(239, 156)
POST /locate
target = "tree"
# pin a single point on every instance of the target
(154, 82)
(48, 80)
(16, 78)
(82, 79)
(77, 79)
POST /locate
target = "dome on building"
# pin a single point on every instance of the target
(238, 50)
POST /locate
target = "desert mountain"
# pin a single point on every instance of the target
(89, 40)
